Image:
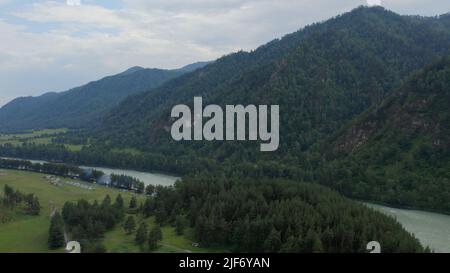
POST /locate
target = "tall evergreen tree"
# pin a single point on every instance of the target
(180, 224)
(106, 201)
(273, 242)
(130, 225)
(133, 202)
(56, 232)
(119, 204)
(154, 236)
(141, 234)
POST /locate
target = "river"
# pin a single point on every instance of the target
(146, 177)
(432, 229)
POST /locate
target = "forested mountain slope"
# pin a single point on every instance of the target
(398, 152)
(321, 76)
(83, 106)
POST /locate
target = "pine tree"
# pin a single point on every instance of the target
(158, 232)
(106, 201)
(154, 236)
(313, 242)
(180, 223)
(150, 190)
(292, 245)
(56, 232)
(141, 234)
(33, 206)
(119, 204)
(133, 202)
(36, 206)
(130, 225)
(161, 215)
(148, 207)
(273, 242)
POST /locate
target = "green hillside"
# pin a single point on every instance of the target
(322, 77)
(82, 106)
(398, 151)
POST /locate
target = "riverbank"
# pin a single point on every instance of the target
(432, 229)
(29, 234)
(146, 177)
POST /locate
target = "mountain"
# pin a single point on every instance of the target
(194, 66)
(326, 78)
(398, 151)
(321, 76)
(83, 106)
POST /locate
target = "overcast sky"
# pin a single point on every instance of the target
(55, 45)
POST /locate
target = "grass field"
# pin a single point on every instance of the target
(118, 241)
(30, 233)
(46, 136)
(37, 137)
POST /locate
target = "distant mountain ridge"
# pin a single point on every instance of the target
(83, 106)
(332, 80)
(321, 76)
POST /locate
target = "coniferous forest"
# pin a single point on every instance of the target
(364, 115)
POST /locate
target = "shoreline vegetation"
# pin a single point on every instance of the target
(365, 114)
(26, 162)
(52, 153)
(74, 172)
(26, 233)
(197, 207)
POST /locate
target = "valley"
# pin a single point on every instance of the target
(362, 113)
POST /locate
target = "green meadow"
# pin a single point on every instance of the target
(24, 233)
(39, 137)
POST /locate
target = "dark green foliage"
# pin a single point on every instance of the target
(142, 234)
(127, 182)
(106, 201)
(32, 205)
(133, 202)
(398, 152)
(83, 106)
(56, 232)
(272, 244)
(88, 175)
(154, 236)
(180, 224)
(150, 189)
(157, 232)
(119, 204)
(278, 216)
(322, 77)
(28, 202)
(148, 208)
(130, 225)
(89, 222)
(92, 247)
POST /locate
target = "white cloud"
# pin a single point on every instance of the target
(4, 2)
(421, 7)
(60, 44)
(374, 2)
(73, 2)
